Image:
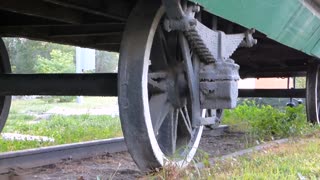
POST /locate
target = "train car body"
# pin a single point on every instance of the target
(294, 23)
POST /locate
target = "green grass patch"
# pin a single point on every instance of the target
(64, 129)
(297, 159)
(264, 122)
(293, 160)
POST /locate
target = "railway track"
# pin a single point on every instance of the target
(55, 154)
(50, 155)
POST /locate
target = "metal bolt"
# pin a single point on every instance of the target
(196, 9)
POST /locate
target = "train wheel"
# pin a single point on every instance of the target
(313, 94)
(5, 101)
(156, 88)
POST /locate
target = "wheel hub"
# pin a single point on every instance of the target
(177, 87)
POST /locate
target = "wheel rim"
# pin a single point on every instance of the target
(312, 94)
(5, 101)
(156, 102)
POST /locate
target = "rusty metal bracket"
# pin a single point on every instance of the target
(210, 45)
(214, 45)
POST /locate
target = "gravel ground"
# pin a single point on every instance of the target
(120, 165)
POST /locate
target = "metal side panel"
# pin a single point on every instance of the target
(295, 23)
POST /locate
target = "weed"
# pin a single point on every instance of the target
(266, 123)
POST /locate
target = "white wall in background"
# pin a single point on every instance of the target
(248, 83)
(85, 59)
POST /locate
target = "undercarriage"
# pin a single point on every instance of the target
(177, 78)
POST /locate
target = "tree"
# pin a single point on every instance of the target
(24, 53)
(106, 61)
(59, 62)
(301, 82)
(28, 56)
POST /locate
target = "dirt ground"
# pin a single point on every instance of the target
(120, 165)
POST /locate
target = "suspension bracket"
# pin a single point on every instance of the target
(218, 74)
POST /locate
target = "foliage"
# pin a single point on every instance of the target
(274, 102)
(58, 62)
(264, 122)
(301, 82)
(24, 53)
(106, 62)
(27, 56)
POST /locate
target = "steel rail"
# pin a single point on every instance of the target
(51, 155)
(55, 154)
(273, 93)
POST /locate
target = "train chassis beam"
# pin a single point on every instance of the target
(273, 93)
(99, 84)
(104, 84)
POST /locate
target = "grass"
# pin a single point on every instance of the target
(64, 129)
(264, 122)
(297, 159)
(293, 160)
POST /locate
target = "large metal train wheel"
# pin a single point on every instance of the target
(313, 94)
(5, 101)
(155, 91)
